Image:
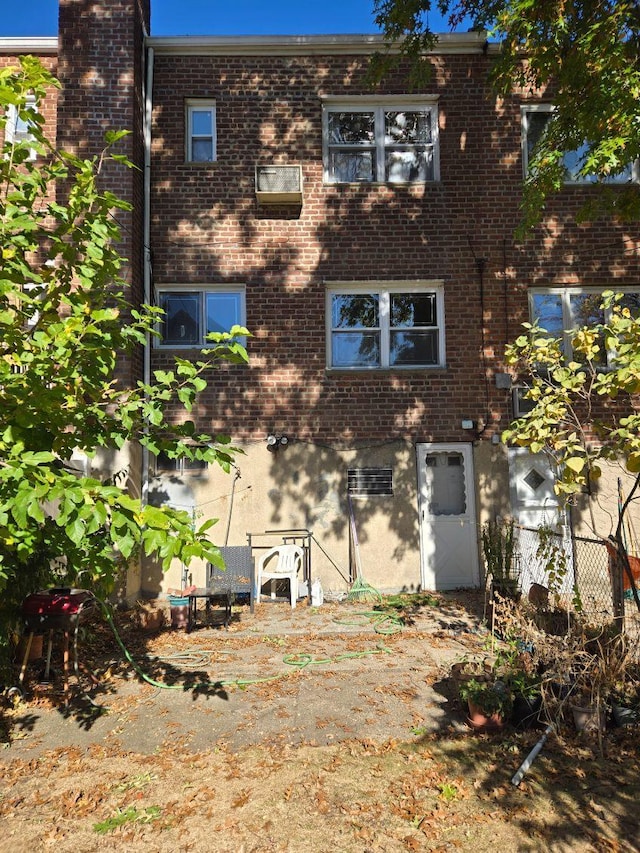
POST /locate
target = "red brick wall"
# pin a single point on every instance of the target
(207, 228)
(101, 69)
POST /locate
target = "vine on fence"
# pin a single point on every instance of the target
(555, 562)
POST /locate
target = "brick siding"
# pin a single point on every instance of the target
(207, 228)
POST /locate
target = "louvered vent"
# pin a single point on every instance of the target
(279, 184)
(370, 481)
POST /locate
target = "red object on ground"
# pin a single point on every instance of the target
(634, 565)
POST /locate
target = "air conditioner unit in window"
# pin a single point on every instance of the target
(521, 405)
(279, 184)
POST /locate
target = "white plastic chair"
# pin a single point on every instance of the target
(278, 563)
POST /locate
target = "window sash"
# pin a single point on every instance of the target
(534, 119)
(563, 310)
(17, 129)
(392, 144)
(201, 131)
(377, 327)
(190, 314)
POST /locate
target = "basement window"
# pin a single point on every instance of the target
(165, 465)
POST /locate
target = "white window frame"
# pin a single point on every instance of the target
(194, 105)
(11, 128)
(565, 294)
(525, 110)
(364, 103)
(181, 467)
(201, 291)
(384, 289)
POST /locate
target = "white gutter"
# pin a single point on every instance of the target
(146, 247)
(471, 42)
(28, 44)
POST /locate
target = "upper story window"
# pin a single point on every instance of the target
(381, 326)
(563, 310)
(534, 121)
(201, 131)
(192, 312)
(18, 128)
(394, 142)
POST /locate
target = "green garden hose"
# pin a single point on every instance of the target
(193, 658)
(383, 621)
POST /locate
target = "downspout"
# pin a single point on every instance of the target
(146, 215)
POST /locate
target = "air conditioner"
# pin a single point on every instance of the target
(521, 405)
(279, 184)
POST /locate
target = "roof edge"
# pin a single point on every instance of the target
(28, 44)
(470, 42)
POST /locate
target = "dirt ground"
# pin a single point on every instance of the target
(319, 729)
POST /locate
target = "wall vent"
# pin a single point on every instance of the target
(369, 481)
(279, 184)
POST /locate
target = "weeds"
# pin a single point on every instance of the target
(125, 816)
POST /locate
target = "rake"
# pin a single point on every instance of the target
(360, 591)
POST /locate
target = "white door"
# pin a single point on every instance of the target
(535, 505)
(448, 529)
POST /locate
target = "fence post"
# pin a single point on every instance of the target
(617, 590)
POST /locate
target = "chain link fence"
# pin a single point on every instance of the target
(575, 567)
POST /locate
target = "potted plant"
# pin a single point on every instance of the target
(490, 703)
(527, 698)
(498, 548)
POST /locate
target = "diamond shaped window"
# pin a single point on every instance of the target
(534, 479)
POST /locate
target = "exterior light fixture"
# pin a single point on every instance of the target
(276, 441)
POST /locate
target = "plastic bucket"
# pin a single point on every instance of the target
(179, 606)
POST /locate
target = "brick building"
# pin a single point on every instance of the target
(365, 237)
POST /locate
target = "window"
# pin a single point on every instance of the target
(18, 128)
(534, 121)
(35, 292)
(378, 327)
(183, 465)
(560, 310)
(201, 131)
(395, 143)
(191, 313)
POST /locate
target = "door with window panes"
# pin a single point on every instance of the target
(448, 528)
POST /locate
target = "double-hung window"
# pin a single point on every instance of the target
(385, 326)
(191, 313)
(534, 122)
(367, 142)
(201, 131)
(18, 127)
(562, 310)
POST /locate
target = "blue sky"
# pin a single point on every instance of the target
(216, 17)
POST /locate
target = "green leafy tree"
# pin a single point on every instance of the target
(64, 323)
(585, 53)
(584, 390)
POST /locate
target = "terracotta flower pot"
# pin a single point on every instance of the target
(480, 722)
